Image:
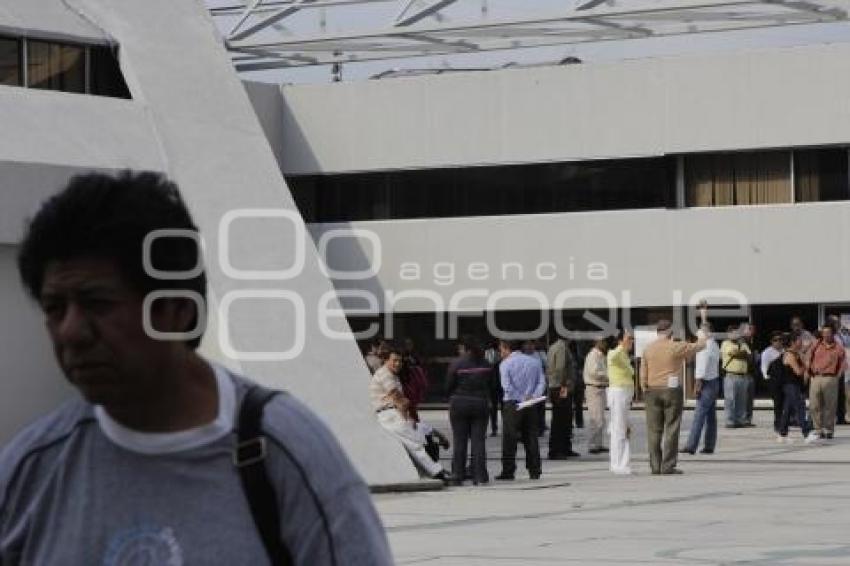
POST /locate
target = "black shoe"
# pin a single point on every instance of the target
(534, 476)
(603, 449)
(441, 439)
(494, 433)
(706, 451)
(594, 451)
(673, 472)
(686, 451)
(480, 482)
(505, 477)
(829, 436)
(455, 483)
(572, 454)
(443, 477)
(557, 456)
(748, 425)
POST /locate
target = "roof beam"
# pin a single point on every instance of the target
(405, 19)
(267, 21)
(599, 23)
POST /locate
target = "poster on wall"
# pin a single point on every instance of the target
(644, 335)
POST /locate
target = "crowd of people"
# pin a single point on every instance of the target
(518, 378)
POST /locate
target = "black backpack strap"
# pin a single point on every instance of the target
(249, 458)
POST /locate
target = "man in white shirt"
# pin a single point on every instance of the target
(771, 354)
(596, 383)
(707, 389)
(392, 409)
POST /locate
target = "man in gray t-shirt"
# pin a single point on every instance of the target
(140, 469)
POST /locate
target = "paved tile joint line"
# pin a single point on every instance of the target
(753, 502)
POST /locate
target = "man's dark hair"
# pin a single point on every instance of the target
(513, 345)
(789, 338)
(473, 346)
(622, 333)
(102, 216)
(664, 325)
(392, 349)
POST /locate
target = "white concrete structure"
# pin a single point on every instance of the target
(753, 100)
(731, 101)
(189, 117)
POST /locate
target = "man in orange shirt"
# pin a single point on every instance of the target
(826, 367)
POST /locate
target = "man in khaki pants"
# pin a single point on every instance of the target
(596, 384)
(826, 367)
(662, 379)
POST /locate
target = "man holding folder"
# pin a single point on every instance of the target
(522, 379)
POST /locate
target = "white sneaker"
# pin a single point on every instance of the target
(781, 439)
(813, 438)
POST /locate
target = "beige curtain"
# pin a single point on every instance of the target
(725, 179)
(55, 66)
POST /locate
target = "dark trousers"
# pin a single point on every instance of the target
(578, 405)
(468, 417)
(795, 405)
(840, 410)
(518, 425)
(778, 396)
(561, 429)
(541, 418)
(663, 423)
(495, 404)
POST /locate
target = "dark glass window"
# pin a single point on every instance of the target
(821, 174)
(105, 77)
(56, 66)
(485, 191)
(10, 61)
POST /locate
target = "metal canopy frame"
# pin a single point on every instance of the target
(255, 44)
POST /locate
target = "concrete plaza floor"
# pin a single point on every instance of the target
(753, 502)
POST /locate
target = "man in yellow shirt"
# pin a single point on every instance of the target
(734, 360)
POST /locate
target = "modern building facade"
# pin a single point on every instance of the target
(533, 194)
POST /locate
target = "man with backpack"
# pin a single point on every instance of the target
(165, 457)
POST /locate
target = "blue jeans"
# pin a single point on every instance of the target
(794, 405)
(705, 416)
(735, 398)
